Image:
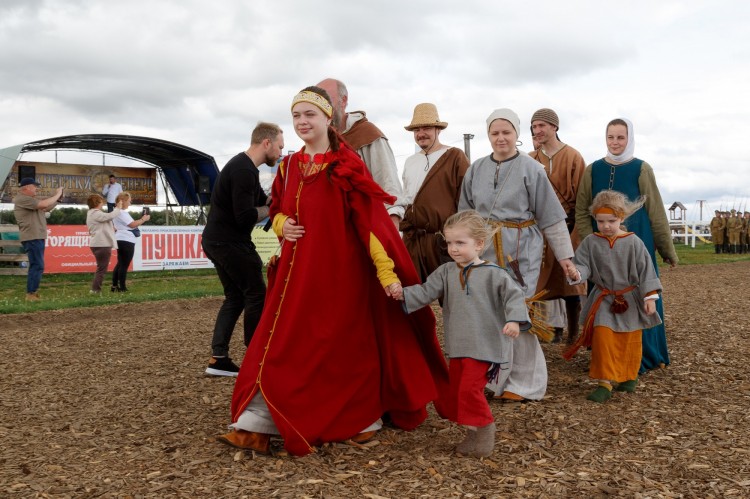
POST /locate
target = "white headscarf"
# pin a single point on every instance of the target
(627, 154)
(507, 115)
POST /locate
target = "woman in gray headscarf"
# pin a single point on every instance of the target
(512, 192)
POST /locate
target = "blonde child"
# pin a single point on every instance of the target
(623, 301)
(483, 308)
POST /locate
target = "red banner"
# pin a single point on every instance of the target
(158, 248)
(68, 250)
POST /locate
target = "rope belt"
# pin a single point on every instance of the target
(584, 340)
(498, 238)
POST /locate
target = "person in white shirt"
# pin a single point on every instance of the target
(126, 231)
(111, 191)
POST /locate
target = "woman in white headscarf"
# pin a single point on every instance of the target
(621, 171)
(512, 192)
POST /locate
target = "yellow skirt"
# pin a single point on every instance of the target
(615, 356)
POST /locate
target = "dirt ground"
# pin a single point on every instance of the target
(113, 402)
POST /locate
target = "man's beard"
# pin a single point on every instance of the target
(338, 121)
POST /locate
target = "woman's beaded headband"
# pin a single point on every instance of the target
(314, 99)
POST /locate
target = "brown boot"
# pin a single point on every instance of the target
(485, 441)
(573, 311)
(32, 296)
(247, 440)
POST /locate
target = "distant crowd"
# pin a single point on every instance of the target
(729, 231)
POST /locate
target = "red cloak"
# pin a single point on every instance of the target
(332, 352)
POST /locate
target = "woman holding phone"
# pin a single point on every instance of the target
(126, 232)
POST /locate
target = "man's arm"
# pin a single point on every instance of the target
(50, 202)
(379, 159)
(244, 194)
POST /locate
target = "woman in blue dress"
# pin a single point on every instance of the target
(623, 172)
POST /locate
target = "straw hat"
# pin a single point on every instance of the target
(426, 114)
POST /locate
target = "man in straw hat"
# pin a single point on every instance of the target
(564, 166)
(432, 187)
(369, 142)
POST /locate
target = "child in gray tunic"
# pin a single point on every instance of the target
(623, 300)
(483, 310)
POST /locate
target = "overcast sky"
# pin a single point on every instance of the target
(203, 73)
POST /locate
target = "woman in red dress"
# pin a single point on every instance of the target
(332, 352)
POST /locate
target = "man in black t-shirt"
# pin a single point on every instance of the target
(237, 204)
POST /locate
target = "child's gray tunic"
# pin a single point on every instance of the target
(473, 315)
(626, 263)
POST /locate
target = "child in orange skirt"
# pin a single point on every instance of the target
(623, 300)
(483, 309)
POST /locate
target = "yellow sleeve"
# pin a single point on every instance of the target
(278, 223)
(383, 263)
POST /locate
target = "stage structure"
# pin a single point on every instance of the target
(185, 172)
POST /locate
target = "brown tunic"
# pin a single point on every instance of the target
(362, 133)
(435, 201)
(567, 170)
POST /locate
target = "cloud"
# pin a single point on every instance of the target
(203, 74)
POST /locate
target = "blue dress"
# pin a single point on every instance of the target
(625, 180)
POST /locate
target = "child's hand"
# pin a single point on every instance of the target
(573, 273)
(569, 269)
(395, 291)
(650, 307)
(511, 329)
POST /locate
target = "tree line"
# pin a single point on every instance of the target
(77, 216)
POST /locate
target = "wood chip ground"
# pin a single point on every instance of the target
(113, 402)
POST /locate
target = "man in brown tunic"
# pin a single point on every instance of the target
(369, 142)
(564, 166)
(432, 186)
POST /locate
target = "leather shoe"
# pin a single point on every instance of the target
(247, 440)
(364, 437)
(507, 396)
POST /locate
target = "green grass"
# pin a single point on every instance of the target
(703, 254)
(61, 291)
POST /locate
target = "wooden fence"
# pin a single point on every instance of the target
(13, 261)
